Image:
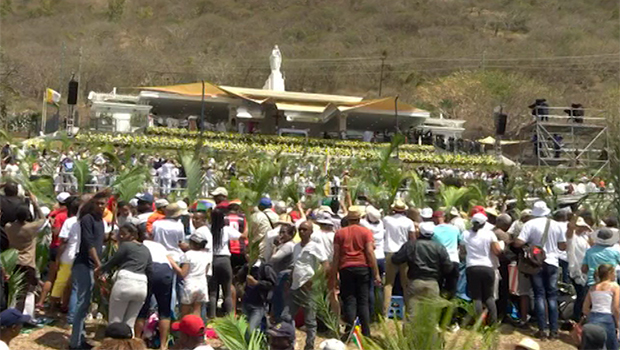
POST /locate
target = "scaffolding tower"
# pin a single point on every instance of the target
(576, 140)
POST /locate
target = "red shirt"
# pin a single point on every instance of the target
(352, 241)
(237, 222)
(59, 216)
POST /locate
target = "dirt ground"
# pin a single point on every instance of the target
(53, 337)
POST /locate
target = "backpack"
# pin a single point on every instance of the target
(533, 257)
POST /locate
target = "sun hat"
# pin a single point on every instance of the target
(354, 214)
(172, 211)
(479, 218)
(161, 203)
(198, 237)
(454, 211)
(118, 330)
(528, 343)
(373, 214)
(220, 191)
(605, 236)
(324, 218)
(525, 213)
(62, 197)
(491, 211)
(427, 228)
(191, 325)
(540, 209)
(426, 213)
(581, 222)
(183, 207)
(399, 205)
(325, 208)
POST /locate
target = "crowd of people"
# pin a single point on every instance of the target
(186, 261)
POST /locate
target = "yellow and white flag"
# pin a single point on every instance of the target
(52, 96)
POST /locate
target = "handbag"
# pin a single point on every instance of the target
(533, 257)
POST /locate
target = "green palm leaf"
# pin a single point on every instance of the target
(195, 177)
(232, 332)
(17, 280)
(131, 181)
(83, 175)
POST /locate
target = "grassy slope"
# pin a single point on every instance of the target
(138, 42)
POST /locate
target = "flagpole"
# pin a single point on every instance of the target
(44, 112)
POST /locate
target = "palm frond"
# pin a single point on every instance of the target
(131, 181)
(232, 332)
(451, 196)
(417, 190)
(17, 280)
(195, 177)
(320, 298)
(82, 174)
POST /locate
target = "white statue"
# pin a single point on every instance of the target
(275, 81)
(275, 60)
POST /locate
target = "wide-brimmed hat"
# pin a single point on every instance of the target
(491, 211)
(399, 205)
(540, 209)
(581, 223)
(426, 213)
(605, 236)
(323, 218)
(529, 344)
(183, 207)
(454, 211)
(325, 208)
(172, 211)
(373, 214)
(354, 214)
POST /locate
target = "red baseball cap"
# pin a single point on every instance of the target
(438, 213)
(478, 209)
(191, 325)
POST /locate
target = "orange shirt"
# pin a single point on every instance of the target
(352, 242)
(154, 217)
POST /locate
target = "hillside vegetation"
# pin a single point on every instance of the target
(461, 57)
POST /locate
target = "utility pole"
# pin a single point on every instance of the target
(62, 63)
(383, 57)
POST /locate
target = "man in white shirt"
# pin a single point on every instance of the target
(325, 235)
(262, 220)
(544, 283)
(166, 174)
(398, 230)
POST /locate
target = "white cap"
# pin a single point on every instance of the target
(426, 213)
(62, 197)
(133, 202)
(332, 344)
(479, 218)
(160, 203)
(220, 191)
(427, 228)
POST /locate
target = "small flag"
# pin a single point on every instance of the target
(52, 96)
(357, 335)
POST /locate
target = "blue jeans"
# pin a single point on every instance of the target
(581, 292)
(72, 305)
(82, 286)
(280, 294)
(606, 321)
(545, 288)
(255, 315)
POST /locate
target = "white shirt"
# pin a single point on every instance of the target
(378, 233)
(169, 233)
(478, 245)
(562, 254)
(268, 245)
(71, 233)
(306, 260)
(3, 346)
(576, 250)
(205, 232)
(159, 254)
(166, 170)
(532, 233)
(325, 241)
(203, 347)
(199, 262)
(11, 170)
(397, 228)
(228, 233)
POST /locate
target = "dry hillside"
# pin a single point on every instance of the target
(460, 56)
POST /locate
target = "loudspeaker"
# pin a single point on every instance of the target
(500, 123)
(72, 95)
